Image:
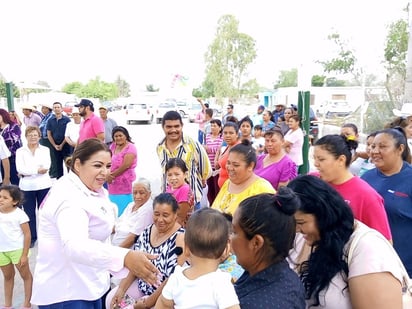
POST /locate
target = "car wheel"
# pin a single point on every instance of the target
(158, 120)
(182, 114)
(128, 122)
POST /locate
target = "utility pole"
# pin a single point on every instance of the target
(408, 81)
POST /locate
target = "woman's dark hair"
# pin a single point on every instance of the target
(352, 126)
(6, 116)
(246, 119)
(16, 194)
(232, 119)
(334, 220)
(271, 216)
(231, 124)
(373, 134)
(124, 131)
(85, 150)
(295, 117)
(218, 123)
(207, 233)
(398, 134)
(246, 150)
(166, 198)
(397, 122)
(176, 162)
(274, 131)
(338, 145)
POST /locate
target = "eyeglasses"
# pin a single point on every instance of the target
(32, 135)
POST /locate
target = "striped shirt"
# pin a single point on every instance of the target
(196, 160)
(212, 147)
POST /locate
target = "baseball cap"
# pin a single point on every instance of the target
(85, 102)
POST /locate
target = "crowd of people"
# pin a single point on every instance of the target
(234, 227)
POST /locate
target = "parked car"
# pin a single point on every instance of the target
(337, 109)
(164, 107)
(136, 112)
(183, 108)
(194, 109)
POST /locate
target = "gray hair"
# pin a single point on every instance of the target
(145, 182)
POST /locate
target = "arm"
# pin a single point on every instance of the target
(163, 303)
(375, 291)
(6, 167)
(126, 164)
(100, 136)
(51, 140)
(24, 259)
(123, 287)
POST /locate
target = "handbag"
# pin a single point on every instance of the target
(406, 281)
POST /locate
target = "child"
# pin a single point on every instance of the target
(202, 285)
(14, 243)
(258, 141)
(176, 175)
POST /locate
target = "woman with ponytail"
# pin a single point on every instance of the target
(332, 157)
(263, 234)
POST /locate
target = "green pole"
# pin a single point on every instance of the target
(303, 110)
(10, 96)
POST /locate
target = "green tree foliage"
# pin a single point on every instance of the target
(334, 82)
(3, 93)
(95, 88)
(287, 78)
(395, 52)
(227, 59)
(318, 80)
(250, 88)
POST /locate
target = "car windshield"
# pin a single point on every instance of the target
(137, 106)
(167, 105)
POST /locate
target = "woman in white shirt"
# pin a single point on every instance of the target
(32, 164)
(75, 223)
(294, 140)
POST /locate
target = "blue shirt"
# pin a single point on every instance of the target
(396, 191)
(57, 127)
(276, 287)
(43, 124)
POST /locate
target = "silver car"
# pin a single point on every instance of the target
(139, 112)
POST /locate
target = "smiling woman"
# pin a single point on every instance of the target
(82, 256)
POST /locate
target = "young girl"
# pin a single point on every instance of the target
(176, 175)
(14, 243)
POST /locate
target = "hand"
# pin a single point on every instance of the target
(110, 178)
(139, 304)
(23, 260)
(42, 170)
(117, 298)
(139, 264)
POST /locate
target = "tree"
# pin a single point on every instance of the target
(95, 88)
(396, 48)
(227, 59)
(287, 78)
(123, 87)
(345, 62)
(318, 80)
(250, 88)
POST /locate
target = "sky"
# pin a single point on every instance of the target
(148, 42)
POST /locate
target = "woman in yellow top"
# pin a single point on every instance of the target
(242, 182)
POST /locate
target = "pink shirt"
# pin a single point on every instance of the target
(90, 127)
(367, 205)
(122, 184)
(181, 194)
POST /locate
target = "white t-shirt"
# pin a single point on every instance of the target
(11, 234)
(296, 139)
(72, 131)
(132, 222)
(212, 290)
(371, 255)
